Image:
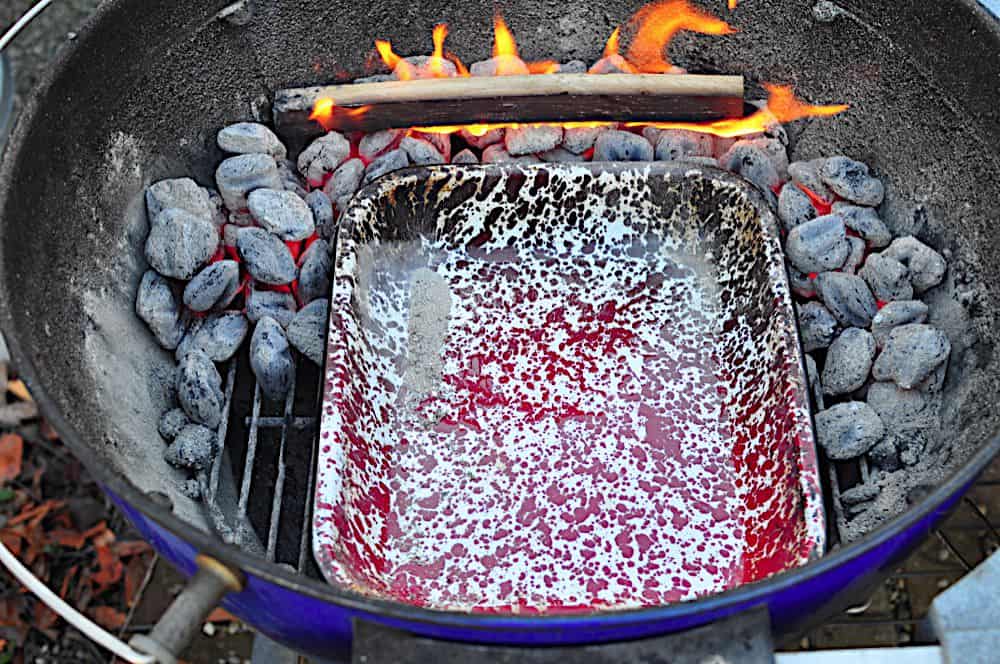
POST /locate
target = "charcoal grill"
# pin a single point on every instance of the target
(71, 224)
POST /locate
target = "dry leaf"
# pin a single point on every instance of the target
(68, 538)
(19, 390)
(107, 617)
(131, 548)
(110, 569)
(11, 452)
(135, 572)
(219, 615)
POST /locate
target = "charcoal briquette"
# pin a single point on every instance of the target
(887, 277)
(531, 139)
(847, 297)
(794, 207)
(912, 354)
(158, 305)
(250, 138)
(265, 256)
(214, 287)
(865, 222)
(271, 359)
(818, 245)
(282, 213)
(378, 142)
(675, 144)
(194, 448)
(264, 303)
(393, 160)
(179, 243)
(617, 145)
(850, 179)
(322, 210)
(465, 157)
(219, 336)
(307, 331)
(238, 176)
(172, 422)
(848, 430)
(323, 156)
(199, 388)
(848, 361)
(345, 180)
(314, 273)
(817, 326)
(926, 266)
(180, 193)
(421, 152)
(894, 314)
(580, 139)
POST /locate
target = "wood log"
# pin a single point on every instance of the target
(499, 99)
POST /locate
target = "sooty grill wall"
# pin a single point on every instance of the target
(161, 82)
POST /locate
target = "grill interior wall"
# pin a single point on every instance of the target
(72, 216)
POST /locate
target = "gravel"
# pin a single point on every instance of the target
(848, 361)
(865, 222)
(250, 138)
(817, 326)
(850, 179)
(158, 306)
(794, 207)
(893, 315)
(421, 152)
(238, 176)
(848, 430)
(271, 359)
(172, 422)
(192, 449)
(531, 139)
(180, 193)
(265, 256)
(617, 145)
(386, 163)
(199, 389)
(888, 278)
(180, 243)
(913, 353)
(818, 245)
(307, 331)
(847, 297)
(218, 336)
(378, 142)
(345, 180)
(282, 213)
(322, 157)
(674, 144)
(314, 273)
(926, 266)
(322, 211)
(214, 287)
(273, 304)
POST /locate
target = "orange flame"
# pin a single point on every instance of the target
(503, 40)
(385, 52)
(782, 106)
(611, 47)
(325, 112)
(658, 23)
(732, 4)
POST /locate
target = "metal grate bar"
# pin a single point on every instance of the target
(279, 483)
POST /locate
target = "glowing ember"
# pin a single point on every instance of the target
(658, 23)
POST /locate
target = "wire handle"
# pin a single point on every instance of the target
(68, 613)
(22, 22)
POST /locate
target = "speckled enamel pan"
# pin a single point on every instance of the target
(560, 387)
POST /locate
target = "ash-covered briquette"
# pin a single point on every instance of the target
(817, 326)
(179, 193)
(250, 138)
(192, 449)
(180, 243)
(580, 139)
(747, 159)
(856, 256)
(314, 272)
(265, 256)
(913, 356)
(847, 297)
(794, 207)
(307, 331)
(894, 314)
(323, 156)
(271, 359)
(851, 180)
(345, 180)
(926, 266)
(238, 176)
(865, 222)
(421, 152)
(159, 307)
(214, 287)
(274, 304)
(818, 245)
(378, 142)
(807, 174)
(390, 161)
(615, 145)
(465, 157)
(219, 336)
(199, 388)
(888, 279)
(678, 144)
(848, 361)
(321, 207)
(281, 213)
(172, 422)
(848, 430)
(530, 139)
(497, 154)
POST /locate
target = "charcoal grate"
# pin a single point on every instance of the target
(258, 493)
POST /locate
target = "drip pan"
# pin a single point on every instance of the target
(562, 387)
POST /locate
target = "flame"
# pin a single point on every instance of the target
(732, 4)
(503, 40)
(782, 106)
(611, 47)
(435, 65)
(325, 111)
(658, 23)
(385, 51)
